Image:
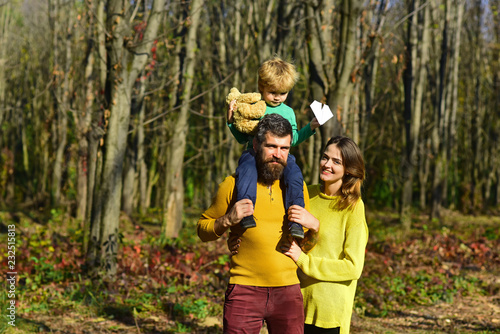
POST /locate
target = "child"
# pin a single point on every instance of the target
(276, 78)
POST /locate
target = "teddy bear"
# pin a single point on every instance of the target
(248, 110)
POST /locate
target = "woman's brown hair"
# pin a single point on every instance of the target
(354, 171)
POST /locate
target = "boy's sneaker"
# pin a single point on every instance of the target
(249, 222)
(296, 230)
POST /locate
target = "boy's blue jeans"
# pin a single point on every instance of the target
(246, 180)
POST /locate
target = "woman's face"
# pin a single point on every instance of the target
(331, 166)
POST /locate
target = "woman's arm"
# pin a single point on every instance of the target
(347, 266)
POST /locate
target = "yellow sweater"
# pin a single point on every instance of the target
(329, 272)
(259, 261)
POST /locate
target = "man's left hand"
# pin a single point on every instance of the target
(233, 243)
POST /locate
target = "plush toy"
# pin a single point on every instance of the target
(249, 109)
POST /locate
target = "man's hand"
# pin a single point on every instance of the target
(233, 243)
(298, 214)
(240, 209)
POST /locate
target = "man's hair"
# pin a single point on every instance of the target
(274, 124)
(277, 75)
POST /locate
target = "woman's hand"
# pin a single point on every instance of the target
(298, 214)
(292, 250)
(233, 243)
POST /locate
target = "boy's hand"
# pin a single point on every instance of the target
(314, 124)
(230, 109)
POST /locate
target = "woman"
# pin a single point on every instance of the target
(329, 271)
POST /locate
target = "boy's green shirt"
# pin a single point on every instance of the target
(298, 136)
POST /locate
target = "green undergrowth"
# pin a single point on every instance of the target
(174, 286)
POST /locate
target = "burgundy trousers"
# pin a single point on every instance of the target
(247, 307)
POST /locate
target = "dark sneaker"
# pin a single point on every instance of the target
(296, 230)
(249, 222)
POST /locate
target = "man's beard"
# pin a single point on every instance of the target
(268, 171)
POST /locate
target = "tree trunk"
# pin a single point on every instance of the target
(152, 174)
(344, 66)
(94, 137)
(452, 150)
(478, 112)
(129, 172)
(125, 62)
(83, 121)
(414, 88)
(423, 171)
(174, 197)
(370, 70)
(92, 215)
(264, 26)
(141, 153)
(5, 19)
(60, 95)
(207, 186)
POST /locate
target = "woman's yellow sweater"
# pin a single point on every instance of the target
(330, 271)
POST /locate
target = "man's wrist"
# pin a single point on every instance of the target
(222, 224)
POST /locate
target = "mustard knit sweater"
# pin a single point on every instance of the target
(329, 272)
(259, 261)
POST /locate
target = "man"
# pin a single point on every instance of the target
(263, 284)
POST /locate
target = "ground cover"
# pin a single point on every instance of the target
(440, 277)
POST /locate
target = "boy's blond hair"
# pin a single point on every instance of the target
(277, 75)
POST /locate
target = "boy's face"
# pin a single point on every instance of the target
(272, 97)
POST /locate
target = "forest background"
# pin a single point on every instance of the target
(113, 140)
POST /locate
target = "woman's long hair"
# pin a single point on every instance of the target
(354, 171)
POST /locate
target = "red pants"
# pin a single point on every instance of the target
(247, 307)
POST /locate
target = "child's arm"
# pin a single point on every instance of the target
(241, 138)
(307, 131)
(304, 133)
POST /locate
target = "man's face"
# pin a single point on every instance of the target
(271, 157)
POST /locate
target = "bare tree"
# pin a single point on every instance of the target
(174, 197)
(127, 55)
(417, 46)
